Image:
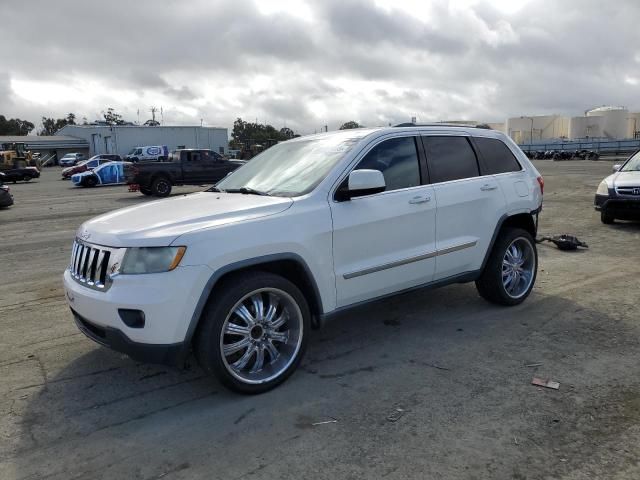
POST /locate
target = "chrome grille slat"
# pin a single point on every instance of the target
(90, 264)
(631, 191)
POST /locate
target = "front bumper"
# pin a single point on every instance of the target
(622, 208)
(173, 354)
(168, 301)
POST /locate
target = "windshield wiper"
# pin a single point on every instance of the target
(246, 191)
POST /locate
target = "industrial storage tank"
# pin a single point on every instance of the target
(615, 121)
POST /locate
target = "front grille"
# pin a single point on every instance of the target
(90, 265)
(629, 191)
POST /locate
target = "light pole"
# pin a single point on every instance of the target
(531, 133)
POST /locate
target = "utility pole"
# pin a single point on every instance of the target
(153, 111)
(531, 134)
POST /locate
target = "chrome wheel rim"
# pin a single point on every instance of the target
(261, 335)
(518, 267)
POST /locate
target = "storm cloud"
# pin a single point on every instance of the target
(310, 64)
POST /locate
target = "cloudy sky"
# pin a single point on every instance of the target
(307, 63)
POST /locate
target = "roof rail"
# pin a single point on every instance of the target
(439, 124)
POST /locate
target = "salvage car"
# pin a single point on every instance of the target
(71, 159)
(6, 199)
(21, 174)
(618, 195)
(184, 167)
(110, 173)
(90, 164)
(307, 229)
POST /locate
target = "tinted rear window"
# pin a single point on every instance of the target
(496, 156)
(450, 158)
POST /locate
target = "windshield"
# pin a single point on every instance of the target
(633, 164)
(291, 168)
(70, 155)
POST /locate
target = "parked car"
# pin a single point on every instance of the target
(110, 173)
(151, 153)
(309, 228)
(6, 199)
(185, 167)
(618, 195)
(21, 174)
(90, 164)
(71, 159)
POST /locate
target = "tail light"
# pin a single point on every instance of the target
(541, 183)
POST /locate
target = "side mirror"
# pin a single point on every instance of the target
(616, 167)
(360, 183)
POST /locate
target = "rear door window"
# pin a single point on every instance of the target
(450, 158)
(397, 159)
(495, 156)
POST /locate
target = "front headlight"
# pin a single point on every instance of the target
(603, 188)
(151, 259)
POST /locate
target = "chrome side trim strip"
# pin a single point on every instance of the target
(456, 248)
(406, 261)
(386, 266)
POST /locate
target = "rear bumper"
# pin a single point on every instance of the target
(171, 354)
(624, 209)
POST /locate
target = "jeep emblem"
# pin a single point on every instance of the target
(85, 235)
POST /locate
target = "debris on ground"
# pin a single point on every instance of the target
(564, 242)
(534, 365)
(333, 420)
(540, 382)
(396, 415)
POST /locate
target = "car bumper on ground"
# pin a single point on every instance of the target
(622, 208)
(161, 302)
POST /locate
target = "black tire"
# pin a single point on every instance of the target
(207, 343)
(90, 181)
(26, 178)
(134, 159)
(606, 218)
(161, 187)
(146, 191)
(490, 284)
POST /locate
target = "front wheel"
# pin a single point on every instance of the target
(253, 333)
(606, 218)
(90, 182)
(510, 272)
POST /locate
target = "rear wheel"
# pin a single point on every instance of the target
(606, 218)
(26, 178)
(253, 332)
(161, 187)
(510, 272)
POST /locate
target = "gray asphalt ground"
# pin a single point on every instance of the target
(431, 384)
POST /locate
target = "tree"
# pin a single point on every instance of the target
(248, 133)
(50, 126)
(14, 126)
(286, 132)
(350, 124)
(112, 118)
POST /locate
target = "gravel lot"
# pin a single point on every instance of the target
(433, 384)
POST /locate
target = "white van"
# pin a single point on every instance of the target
(150, 153)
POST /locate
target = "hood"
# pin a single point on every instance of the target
(626, 179)
(160, 222)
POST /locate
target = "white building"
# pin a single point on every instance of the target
(121, 139)
(606, 123)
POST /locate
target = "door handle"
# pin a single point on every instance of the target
(419, 199)
(486, 187)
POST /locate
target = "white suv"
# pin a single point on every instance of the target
(310, 227)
